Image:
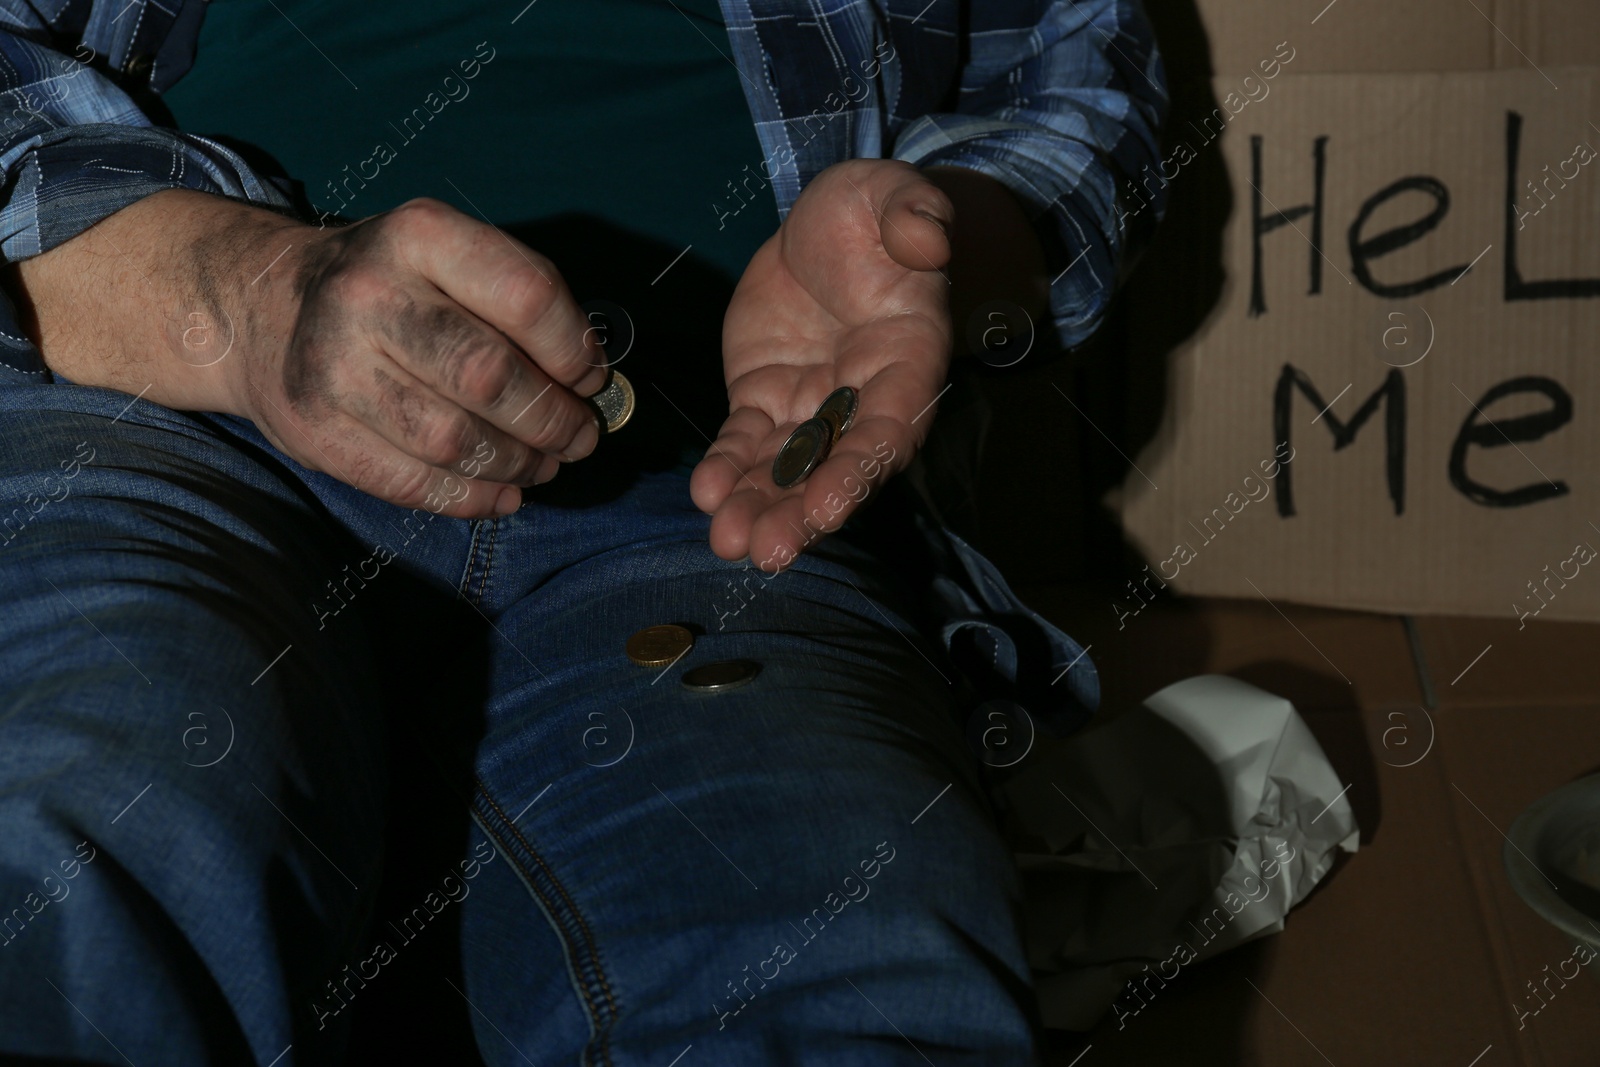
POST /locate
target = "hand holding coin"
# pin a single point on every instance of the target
(847, 294)
(613, 403)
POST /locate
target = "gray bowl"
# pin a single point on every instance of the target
(1552, 857)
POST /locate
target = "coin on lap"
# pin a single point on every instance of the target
(658, 646)
(720, 677)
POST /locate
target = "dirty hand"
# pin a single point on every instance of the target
(423, 357)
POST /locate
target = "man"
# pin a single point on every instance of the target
(280, 486)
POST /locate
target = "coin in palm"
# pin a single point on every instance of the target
(800, 454)
(838, 411)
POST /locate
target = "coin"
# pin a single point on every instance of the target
(838, 411)
(614, 403)
(657, 646)
(800, 454)
(718, 677)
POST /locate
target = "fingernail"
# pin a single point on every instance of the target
(547, 470)
(596, 379)
(931, 217)
(509, 500)
(583, 443)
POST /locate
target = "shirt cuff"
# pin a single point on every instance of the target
(1069, 196)
(65, 179)
(60, 180)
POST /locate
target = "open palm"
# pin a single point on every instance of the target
(849, 291)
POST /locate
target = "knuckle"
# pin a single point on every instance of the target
(482, 371)
(399, 483)
(355, 284)
(551, 427)
(423, 212)
(527, 467)
(473, 364)
(533, 292)
(412, 485)
(447, 439)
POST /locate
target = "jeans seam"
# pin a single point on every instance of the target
(569, 916)
(488, 563)
(472, 555)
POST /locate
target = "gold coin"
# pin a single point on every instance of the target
(800, 454)
(719, 677)
(614, 403)
(657, 646)
(838, 411)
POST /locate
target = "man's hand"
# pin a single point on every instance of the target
(849, 291)
(419, 355)
(426, 344)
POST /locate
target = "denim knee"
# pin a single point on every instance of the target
(178, 737)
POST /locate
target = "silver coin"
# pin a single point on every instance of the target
(614, 403)
(718, 677)
(838, 411)
(800, 454)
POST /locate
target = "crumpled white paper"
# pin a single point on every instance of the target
(1166, 835)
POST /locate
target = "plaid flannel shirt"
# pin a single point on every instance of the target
(1060, 100)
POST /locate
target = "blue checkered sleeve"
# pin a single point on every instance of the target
(1064, 108)
(74, 148)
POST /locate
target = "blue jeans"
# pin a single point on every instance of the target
(209, 653)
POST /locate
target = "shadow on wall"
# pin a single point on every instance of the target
(1048, 465)
(1047, 470)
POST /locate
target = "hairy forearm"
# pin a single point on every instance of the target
(164, 298)
(995, 254)
(399, 354)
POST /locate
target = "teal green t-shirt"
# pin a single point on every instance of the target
(610, 135)
(629, 111)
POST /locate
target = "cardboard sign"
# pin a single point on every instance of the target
(1392, 402)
